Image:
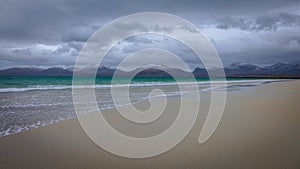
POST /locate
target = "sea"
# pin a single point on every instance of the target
(32, 102)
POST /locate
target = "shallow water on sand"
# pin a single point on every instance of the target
(31, 102)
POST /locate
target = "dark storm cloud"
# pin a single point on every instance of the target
(47, 20)
(79, 33)
(52, 32)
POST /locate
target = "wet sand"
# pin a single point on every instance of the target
(259, 129)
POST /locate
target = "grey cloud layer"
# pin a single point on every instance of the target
(49, 33)
(42, 20)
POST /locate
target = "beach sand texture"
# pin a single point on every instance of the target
(259, 129)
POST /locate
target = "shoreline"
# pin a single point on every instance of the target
(259, 129)
(265, 81)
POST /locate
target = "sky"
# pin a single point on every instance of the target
(51, 33)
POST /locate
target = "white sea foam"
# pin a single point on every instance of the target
(144, 84)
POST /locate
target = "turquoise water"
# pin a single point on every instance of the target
(19, 81)
(35, 81)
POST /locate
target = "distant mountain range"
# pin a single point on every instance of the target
(279, 69)
(233, 70)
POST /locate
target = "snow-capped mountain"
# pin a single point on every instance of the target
(284, 66)
(243, 66)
